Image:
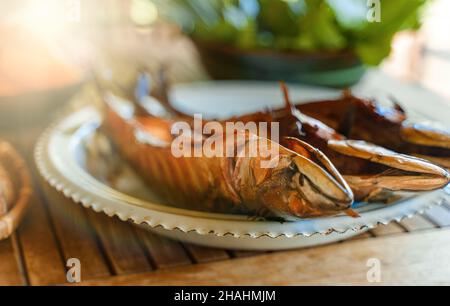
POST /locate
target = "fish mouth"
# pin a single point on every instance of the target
(304, 184)
(319, 188)
(317, 181)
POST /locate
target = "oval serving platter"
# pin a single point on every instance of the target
(63, 158)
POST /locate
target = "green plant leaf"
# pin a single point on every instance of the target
(303, 25)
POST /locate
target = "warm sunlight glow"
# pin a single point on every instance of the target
(47, 18)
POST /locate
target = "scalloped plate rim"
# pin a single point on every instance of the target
(129, 211)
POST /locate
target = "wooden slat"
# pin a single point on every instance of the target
(390, 229)
(40, 249)
(241, 254)
(120, 244)
(75, 235)
(365, 235)
(439, 215)
(419, 258)
(9, 267)
(165, 253)
(203, 254)
(417, 223)
(19, 258)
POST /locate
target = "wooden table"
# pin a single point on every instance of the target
(117, 253)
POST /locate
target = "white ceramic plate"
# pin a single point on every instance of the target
(63, 158)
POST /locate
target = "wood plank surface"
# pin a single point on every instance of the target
(18, 253)
(76, 235)
(203, 254)
(412, 259)
(365, 235)
(42, 260)
(40, 248)
(165, 253)
(9, 267)
(120, 244)
(241, 254)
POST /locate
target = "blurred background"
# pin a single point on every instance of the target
(49, 48)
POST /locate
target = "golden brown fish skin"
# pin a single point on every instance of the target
(296, 186)
(385, 126)
(179, 180)
(280, 192)
(370, 170)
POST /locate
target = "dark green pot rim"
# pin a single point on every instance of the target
(291, 54)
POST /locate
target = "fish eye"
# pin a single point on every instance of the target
(293, 167)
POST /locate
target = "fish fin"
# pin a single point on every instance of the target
(397, 105)
(346, 124)
(352, 213)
